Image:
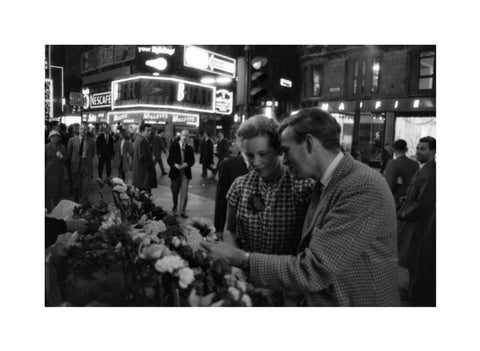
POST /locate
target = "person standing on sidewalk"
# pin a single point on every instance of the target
(144, 176)
(55, 170)
(159, 144)
(417, 207)
(206, 155)
(123, 154)
(399, 172)
(180, 159)
(222, 149)
(81, 151)
(105, 151)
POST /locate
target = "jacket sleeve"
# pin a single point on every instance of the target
(354, 221)
(70, 148)
(144, 154)
(171, 156)
(191, 157)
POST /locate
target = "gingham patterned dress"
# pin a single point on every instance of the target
(276, 228)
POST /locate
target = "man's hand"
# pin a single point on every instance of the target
(79, 225)
(59, 154)
(223, 250)
(177, 166)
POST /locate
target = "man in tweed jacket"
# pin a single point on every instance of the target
(347, 255)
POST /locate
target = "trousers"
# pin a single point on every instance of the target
(179, 187)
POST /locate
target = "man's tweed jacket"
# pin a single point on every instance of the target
(347, 255)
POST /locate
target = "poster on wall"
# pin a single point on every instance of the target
(88, 61)
(105, 56)
(123, 53)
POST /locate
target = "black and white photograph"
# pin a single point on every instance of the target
(231, 175)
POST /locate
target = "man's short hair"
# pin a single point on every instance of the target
(316, 122)
(400, 145)
(260, 125)
(143, 126)
(432, 142)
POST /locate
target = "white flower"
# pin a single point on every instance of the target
(142, 220)
(234, 292)
(246, 300)
(211, 237)
(241, 285)
(120, 188)
(176, 242)
(169, 264)
(137, 235)
(185, 277)
(154, 227)
(118, 247)
(153, 252)
(118, 181)
(124, 196)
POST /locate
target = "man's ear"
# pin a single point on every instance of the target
(309, 142)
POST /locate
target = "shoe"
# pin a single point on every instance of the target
(184, 215)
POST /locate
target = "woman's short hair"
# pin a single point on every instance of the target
(316, 122)
(259, 125)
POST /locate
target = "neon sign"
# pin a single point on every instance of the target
(224, 102)
(209, 61)
(160, 117)
(162, 92)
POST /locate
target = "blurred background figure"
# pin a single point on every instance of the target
(386, 157)
(105, 151)
(55, 171)
(159, 144)
(144, 176)
(400, 170)
(206, 155)
(123, 154)
(222, 149)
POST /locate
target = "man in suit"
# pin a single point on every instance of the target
(228, 171)
(206, 154)
(144, 176)
(417, 207)
(347, 253)
(180, 159)
(123, 154)
(105, 151)
(399, 172)
(80, 151)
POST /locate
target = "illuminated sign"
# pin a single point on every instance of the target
(99, 100)
(162, 92)
(285, 83)
(94, 117)
(159, 63)
(48, 98)
(157, 50)
(209, 61)
(160, 117)
(224, 102)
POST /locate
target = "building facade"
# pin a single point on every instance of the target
(377, 93)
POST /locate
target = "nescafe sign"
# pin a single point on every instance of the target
(97, 100)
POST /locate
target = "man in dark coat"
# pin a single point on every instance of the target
(222, 149)
(228, 171)
(180, 159)
(399, 172)
(206, 154)
(104, 143)
(386, 157)
(144, 176)
(418, 207)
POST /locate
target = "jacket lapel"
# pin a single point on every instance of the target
(343, 168)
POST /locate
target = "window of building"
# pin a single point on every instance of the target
(356, 77)
(316, 80)
(375, 75)
(427, 70)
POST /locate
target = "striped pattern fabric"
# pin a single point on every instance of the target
(277, 228)
(347, 255)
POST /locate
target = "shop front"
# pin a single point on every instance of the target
(382, 121)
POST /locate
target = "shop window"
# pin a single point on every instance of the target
(375, 75)
(316, 80)
(371, 138)
(411, 129)
(426, 74)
